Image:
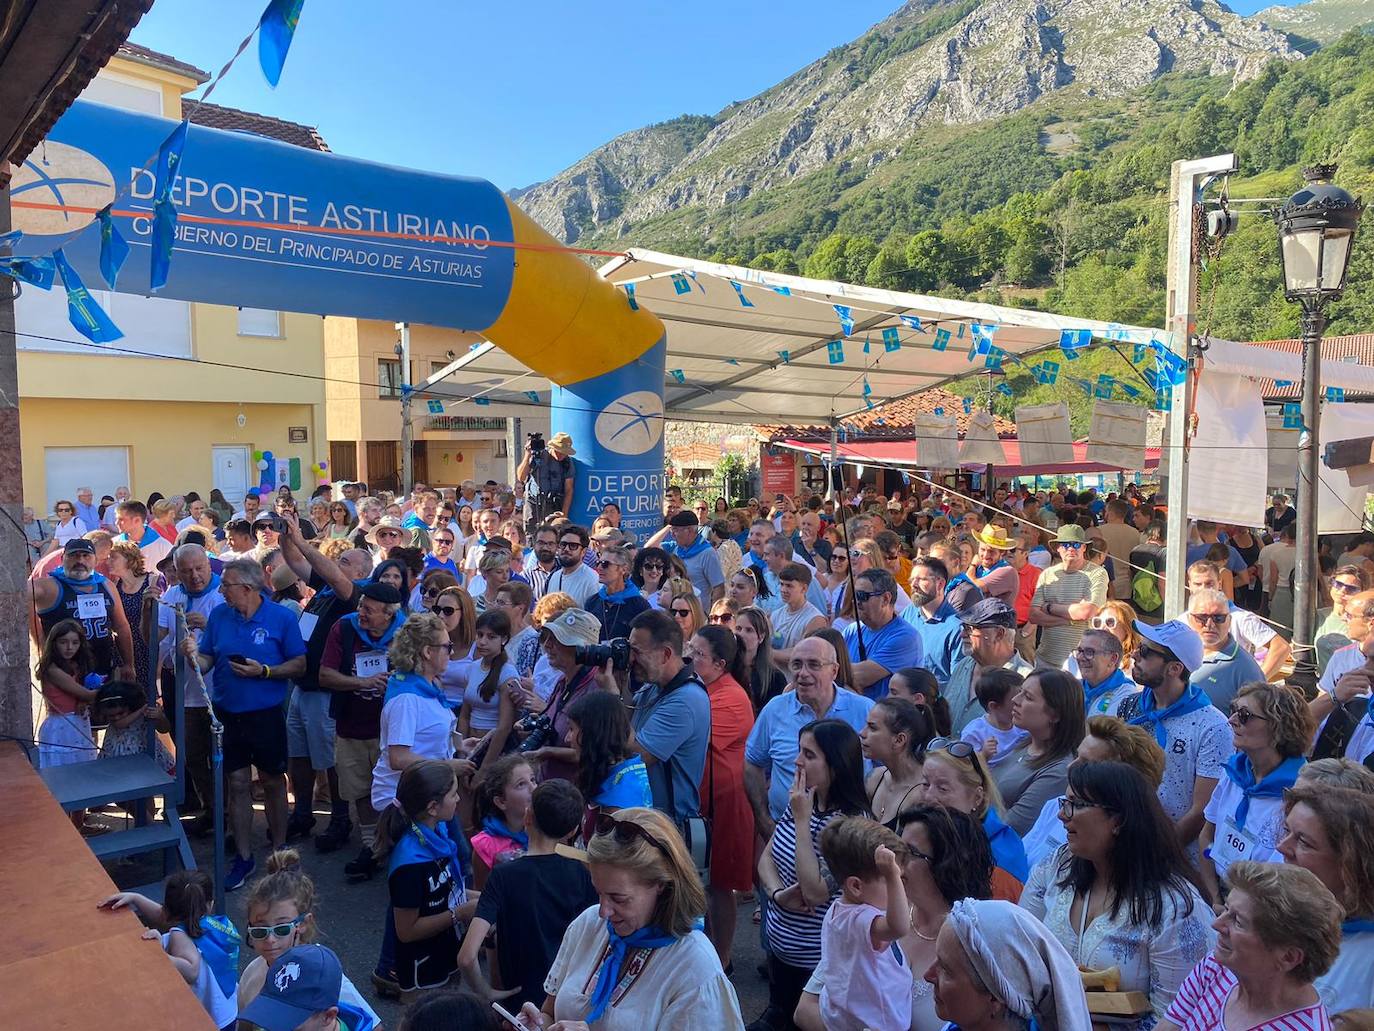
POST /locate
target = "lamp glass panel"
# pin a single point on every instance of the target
(1335, 253)
(1300, 254)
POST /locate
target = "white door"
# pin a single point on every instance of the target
(101, 468)
(231, 472)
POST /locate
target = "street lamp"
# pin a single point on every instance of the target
(1316, 232)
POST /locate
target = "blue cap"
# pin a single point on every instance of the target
(1178, 637)
(302, 982)
(989, 612)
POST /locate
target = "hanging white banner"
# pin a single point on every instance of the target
(1044, 434)
(1228, 451)
(1117, 435)
(1340, 507)
(937, 441)
(981, 446)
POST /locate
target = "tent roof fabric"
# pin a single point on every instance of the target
(724, 355)
(1356, 349)
(903, 453)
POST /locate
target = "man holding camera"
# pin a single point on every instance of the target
(547, 473)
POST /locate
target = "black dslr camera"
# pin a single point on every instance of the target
(538, 730)
(536, 443)
(617, 650)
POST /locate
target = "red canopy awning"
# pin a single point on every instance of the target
(903, 452)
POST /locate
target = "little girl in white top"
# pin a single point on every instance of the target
(866, 982)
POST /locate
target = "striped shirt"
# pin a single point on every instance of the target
(796, 937)
(1060, 587)
(1200, 1004)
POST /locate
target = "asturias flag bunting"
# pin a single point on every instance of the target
(87, 316)
(276, 27)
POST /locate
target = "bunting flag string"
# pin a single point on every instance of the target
(691, 274)
(866, 347)
(630, 296)
(939, 410)
(114, 249)
(1292, 416)
(275, 31)
(941, 340)
(1004, 389)
(681, 285)
(786, 357)
(434, 407)
(481, 400)
(1074, 341)
(783, 291)
(892, 340)
(1283, 383)
(842, 313)
(1335, 393)
(835, 351)
(983, 332)
(164, 211)
(533, 395)
(1085, 385)
(1047, 372)
(968, 404)
(1105, 385)
(86, 315)
(868, 393)
(39, 272)
(993, 359)
(744, 302)
(11, 238)
(912, 322)
(1138, 353)
(1128, 390)
(1172, 368)
(678, 375)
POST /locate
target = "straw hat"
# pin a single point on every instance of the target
(995, 537)
(562, 442)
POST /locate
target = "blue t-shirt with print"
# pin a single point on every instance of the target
(271, 636)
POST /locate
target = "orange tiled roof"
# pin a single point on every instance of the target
(1358, 348)
(895, 418)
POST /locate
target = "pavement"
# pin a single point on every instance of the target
(349, 917)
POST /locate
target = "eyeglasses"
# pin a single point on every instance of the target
(1071, 807)
(431, 592)
(442, 540)
(446, 645)
(380, 533)
(810, 665)
(1087, 654)
(443, 610)
(1242, 715)
(722, 617)
(64, 508)
(275, 930)
(625, 831)
(1104, 622)
(571, 545)
(1215, 618)
(681, 613)
(916, 853)
(856, 553)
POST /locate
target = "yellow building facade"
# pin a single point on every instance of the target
(193, 390)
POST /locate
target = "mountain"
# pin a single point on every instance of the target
(1319, 21)
(932, 66)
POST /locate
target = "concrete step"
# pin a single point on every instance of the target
(89, 784)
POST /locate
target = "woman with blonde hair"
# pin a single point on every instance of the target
(1330, 831)
(1116, 618)
(687, 613)
(494, 567)
(652, 903)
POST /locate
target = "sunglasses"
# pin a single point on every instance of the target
(443, 610)
(722, 617)
(863, 596)
(1339, 585)
(652, 565)
(953, 746)
(380, 533)
(605, 564)
(626, 831)
(442, 540)
(431, 592)
(1071, 545)
(1104, 622)
(682, 613)
(1142, 652)
(275, 930)
(1215, 618)
(64, 508)
(1242, 715)
(1071, 807)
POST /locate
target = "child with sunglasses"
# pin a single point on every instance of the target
(281, 916)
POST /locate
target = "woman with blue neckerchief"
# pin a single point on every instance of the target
(1271, 728)
(416, 724)
(639, 959)
(997, 968)
(1329, 831)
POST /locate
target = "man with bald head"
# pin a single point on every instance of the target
(771, 752)
(197, 593)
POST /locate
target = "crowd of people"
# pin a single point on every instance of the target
(944, 749)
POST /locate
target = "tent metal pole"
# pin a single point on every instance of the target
(1187, 180)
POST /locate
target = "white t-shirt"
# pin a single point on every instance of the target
(1347, 985)
(679, 988)
(580, 582)
(422, 723)
(1258, 840)
(483, 715)
(1282, 556)
(166, 621)
(223, 1009)
(1343, 660)
(63, 532)
(1199, 743)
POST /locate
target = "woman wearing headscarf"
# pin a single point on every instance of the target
(997, 968)
(1279, 931)
(1120, 893)
(1330, 831)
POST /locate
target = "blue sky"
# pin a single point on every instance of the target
(512, 92)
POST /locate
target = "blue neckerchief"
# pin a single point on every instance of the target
(421, 844)
(1193, 699)
(1357, 926)
(412, 683)
(1242, 775)
(218, 945)
(353, 1019)
(213, 585)
(956, 580)
(1007, 850)
(644, 938)
(497, 829)
(697, 547)
(374, 643)
(60, 575)
(993, 568)
(630, 590)
(1096, 694)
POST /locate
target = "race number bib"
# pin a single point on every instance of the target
(90, 606)
(369, 664)
(1233, 844)
(307, 624)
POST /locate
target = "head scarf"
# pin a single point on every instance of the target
(1022, 964)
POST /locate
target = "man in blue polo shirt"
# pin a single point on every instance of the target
(1226, 666)
(770, 755)
(936, 622)
(254, 647)
(889, 643)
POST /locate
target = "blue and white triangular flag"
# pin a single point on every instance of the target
(835, 351)
(86, 315)
(846, 319)
(739, 292)
(164, 211)
(892, 340)
(276, 28)
(912, 322)
(114, 249)
(1073, 341)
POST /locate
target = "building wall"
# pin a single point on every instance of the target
(169, 444)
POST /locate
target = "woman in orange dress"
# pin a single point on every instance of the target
(718, 658)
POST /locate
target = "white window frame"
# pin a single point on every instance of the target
(250, 331)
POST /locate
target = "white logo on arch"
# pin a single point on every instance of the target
(59, 177)
(631, 424)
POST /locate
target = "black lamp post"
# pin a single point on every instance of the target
(1316, 233)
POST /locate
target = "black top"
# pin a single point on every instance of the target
(531, 901)
(94, 617)
(615, 616)
(324, 610)
(430, 888)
